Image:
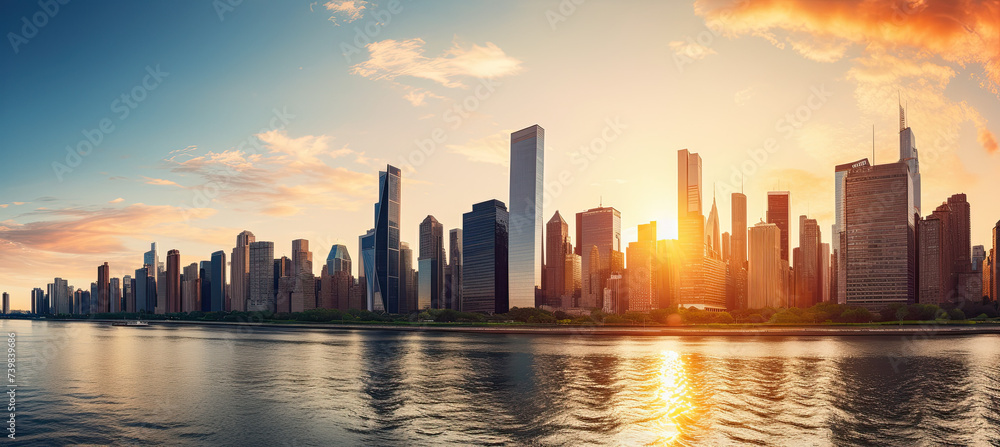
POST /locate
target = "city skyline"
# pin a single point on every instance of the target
(133, 187)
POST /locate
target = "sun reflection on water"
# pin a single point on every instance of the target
(673, 398)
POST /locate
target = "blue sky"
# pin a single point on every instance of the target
(665, 75)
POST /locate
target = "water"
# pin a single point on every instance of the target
(86, 383)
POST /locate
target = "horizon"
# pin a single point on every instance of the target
(307, 131)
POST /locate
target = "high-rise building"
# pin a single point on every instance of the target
(840, 225)
(808, 264)
(206, 280)
(557, 245)
(601, 228)
(190, 288)
(152, 258)
(527, 170)
(6, 303)
(60, 299)
(988, 277)
(103, 289)
(485, 262)
(173, 280)
(261, 277)
(703, 274)
(739, 228)
(934, 274)
(239, 282)
(880, 236)
(978, 256)
(691, 223)
(408, 282)
(616, 294)
(995, 272)
(431, 263)
(339, 260)
(454, 296)
(380, 246)
(303, 280)
(643, 268)
(114, 295)
(764, 282)
(713, 241)
(825, 272)
(908, 155)
(38, 302)
(779, 213)
(218, 294)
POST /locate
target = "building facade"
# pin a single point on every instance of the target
(527, 170)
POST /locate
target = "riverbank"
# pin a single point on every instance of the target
(907, 330)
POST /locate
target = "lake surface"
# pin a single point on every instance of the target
(89, 383)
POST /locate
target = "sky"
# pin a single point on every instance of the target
(184, 123)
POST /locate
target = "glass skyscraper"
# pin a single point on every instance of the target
(380, 246)
(339, 260)
(527, 168)
(484, 252)
(840, 225)
(779, 207)
(601, 228)
(218, 297)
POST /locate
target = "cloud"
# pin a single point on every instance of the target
(345, 10)
(82, 230)
(916, 47)
(690, 49)
(160, 181)
(417, 96)
(493, 149)
(18, 203)
(4, 205)
(118, 200)
(289, 173)
(391, 59)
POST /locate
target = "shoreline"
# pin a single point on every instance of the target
(927, 330)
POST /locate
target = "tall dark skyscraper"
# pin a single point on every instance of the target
(484, 252)
(173, 278)
(218, 293)
(602, 228)
(779, 213)
(431, 263)
(261, 277)
(380, 247)
(455, 260)
(103, 288)
(881, 252)
(995, 273)
(557, 246)
(205, 295)
(527, 169)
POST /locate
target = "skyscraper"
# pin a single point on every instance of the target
(60, 298)
(978, 255)
(205, 277)
(103, 288)
(642, 270)
(703, 274)
(484, 250)
(218, 300)
(381, 244)
(995, 273)
(764, 282)
(712, 239)
(690, 221)
(527, 169)
(152, 258)
(739, 228)
(339, 260)
(880, 237)
(408, 282)
(840, 225)
(908, 155)
(455, 260)
(778, 213)
(557, 245)
(190, 288)
(39, 306)
(934, 272)
(114, 295)
(431, 263)
(602, 228)
(173, 279)
(239, 282)
(261, 277)
(808, 273)
(303, 292)
(6, 303)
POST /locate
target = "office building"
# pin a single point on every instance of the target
(190, 288)
(261, 277)
(808, 264)
(408, 282)
(839, 226)
(557, 245)
(173, 279)
(430, 262)
(880, 236)
(239, 282)
(527, 169)
(779, 213)
(219, 290)
(485, 262)
(598, 228)
(380, 246)
(103, 289)
(339, 260)
(764, 281)
(453, 297)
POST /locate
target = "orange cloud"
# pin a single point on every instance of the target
(347, 10)
(160, 181)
